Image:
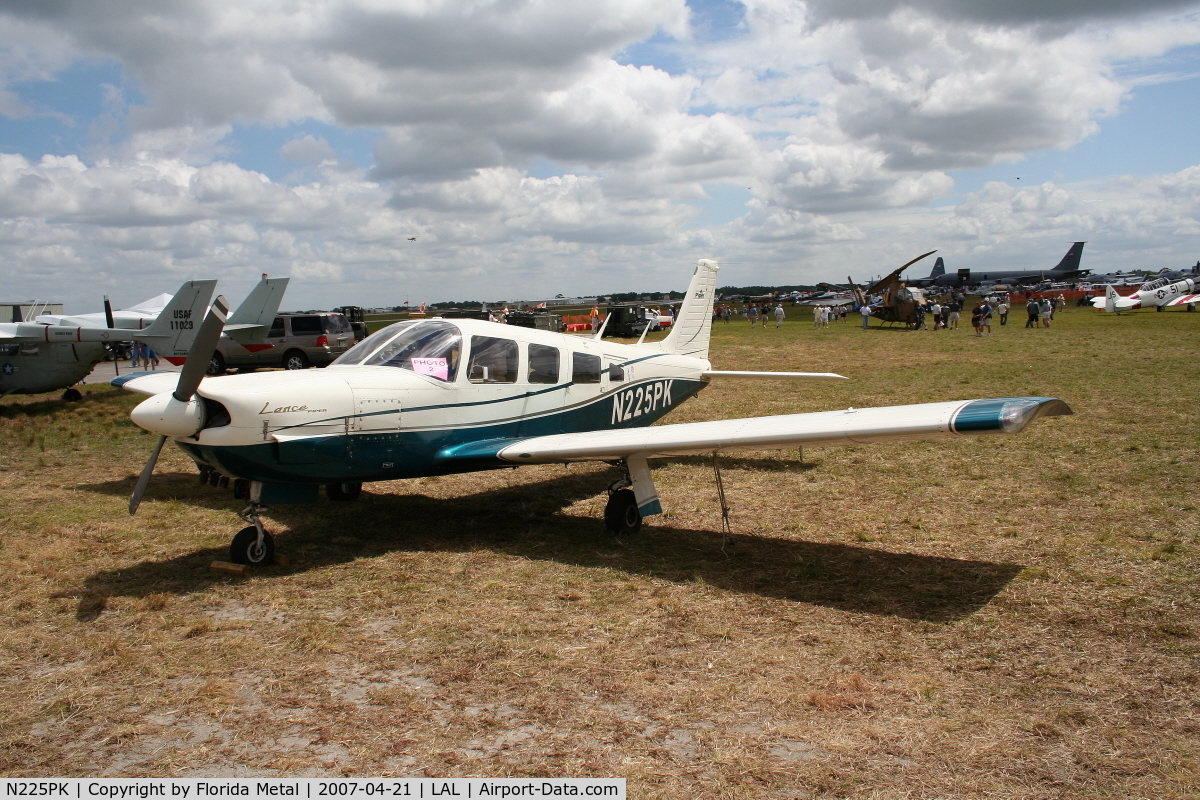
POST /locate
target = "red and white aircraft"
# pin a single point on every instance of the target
(1157, 294)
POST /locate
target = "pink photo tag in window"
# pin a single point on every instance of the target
(436, 367)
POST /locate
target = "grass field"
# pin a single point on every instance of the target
(1010, 617)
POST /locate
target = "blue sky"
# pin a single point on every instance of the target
(565, 150)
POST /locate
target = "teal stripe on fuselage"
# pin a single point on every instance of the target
(392, 455)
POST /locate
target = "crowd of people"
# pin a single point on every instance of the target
(947, 315)
(931, 315)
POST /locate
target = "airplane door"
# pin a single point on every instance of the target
(65, 353)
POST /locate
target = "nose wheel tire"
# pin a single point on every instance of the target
(343, 492)
(72, 395)
(621, 515)
(245, 548)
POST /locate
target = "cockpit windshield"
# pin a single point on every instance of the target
(426, 347)
(1152, 285)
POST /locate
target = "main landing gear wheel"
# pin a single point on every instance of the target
(72, 395)
(245, 548)
(621, 515)
(343, 492)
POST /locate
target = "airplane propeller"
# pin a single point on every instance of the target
(178, 414)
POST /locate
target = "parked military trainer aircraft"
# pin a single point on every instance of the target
(1158, 293)
(438, 396)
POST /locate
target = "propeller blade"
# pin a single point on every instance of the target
(139, 488)
(108, 320)
(201, 350)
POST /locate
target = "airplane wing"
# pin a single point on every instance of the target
(717, 373)
(147, 382)
(1184, 299)
(850, 426)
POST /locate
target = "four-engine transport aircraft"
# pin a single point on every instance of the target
(438, 396)
(1067, 269)
(1158, 293)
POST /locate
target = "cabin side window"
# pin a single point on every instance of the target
(585, 368)
(492, 360)
(616, 372)
(543, 364)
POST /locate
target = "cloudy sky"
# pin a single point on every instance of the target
(536, 147)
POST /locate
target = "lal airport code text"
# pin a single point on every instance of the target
(313, 789)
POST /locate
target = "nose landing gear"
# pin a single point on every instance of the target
(252, 545)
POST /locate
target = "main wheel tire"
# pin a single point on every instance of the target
(343, 492)
(216, 364)
(243, 549)
(72, 395)
(294, 359)
(621, 515)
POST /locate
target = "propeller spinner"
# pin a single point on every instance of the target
(179, 413)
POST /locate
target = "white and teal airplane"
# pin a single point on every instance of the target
(58, 351)
(438, 396)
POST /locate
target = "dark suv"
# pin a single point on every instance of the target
(296, 341)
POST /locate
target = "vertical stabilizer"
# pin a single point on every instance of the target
(1110, 299)
(1070, 262)
(175, 327)
(252, 319)
(939, 268)
(693, 322)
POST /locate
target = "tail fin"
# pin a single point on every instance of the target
(693, 323)
(175, 327)
(253, 318)
(1070, 262)
(1110, 299)
(939, 268)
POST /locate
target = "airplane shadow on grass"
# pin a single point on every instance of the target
(526, 520)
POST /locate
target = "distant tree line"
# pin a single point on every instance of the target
(754, 290)
(457, 304)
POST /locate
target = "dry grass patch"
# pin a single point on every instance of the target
(984, 617)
